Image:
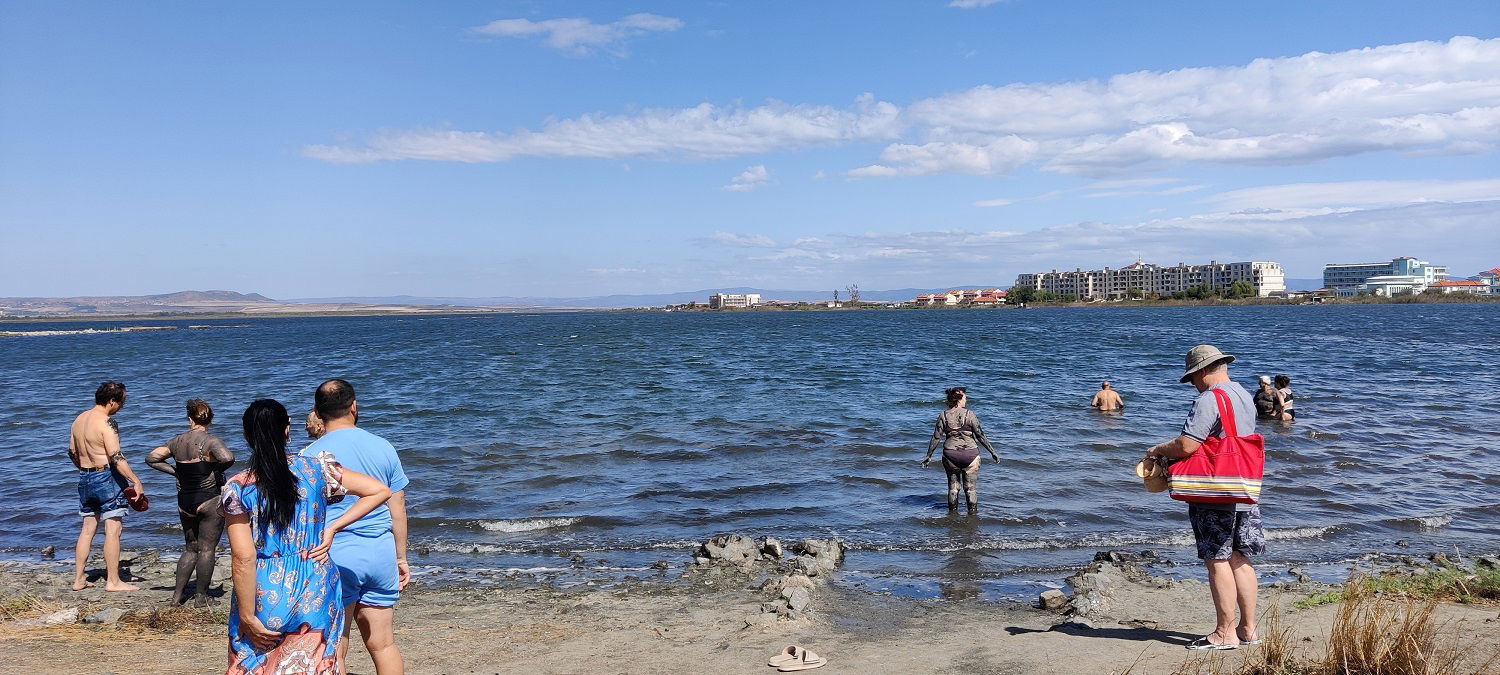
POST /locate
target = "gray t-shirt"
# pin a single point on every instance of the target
(1203, 422)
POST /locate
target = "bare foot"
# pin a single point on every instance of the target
(80, 584)
(120, 587)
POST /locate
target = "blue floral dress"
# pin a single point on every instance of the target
(294, 595)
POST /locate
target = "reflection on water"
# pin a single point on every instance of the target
(962, 572)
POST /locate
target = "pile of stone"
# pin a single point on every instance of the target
(1095, 587)
(792, 572)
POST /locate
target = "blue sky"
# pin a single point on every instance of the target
(528, 148)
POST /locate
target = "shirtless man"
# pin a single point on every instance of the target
(94, 447)
(1107, 399)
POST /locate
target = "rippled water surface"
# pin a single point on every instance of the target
(629, 436)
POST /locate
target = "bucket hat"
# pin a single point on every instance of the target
(1153, 474)
(1201, 357)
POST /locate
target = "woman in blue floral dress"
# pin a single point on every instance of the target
(286, 593)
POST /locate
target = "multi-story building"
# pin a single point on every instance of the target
(1350, 279)
(1146, 279)
(733, 300)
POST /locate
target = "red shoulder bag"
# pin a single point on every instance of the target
(1224, 470)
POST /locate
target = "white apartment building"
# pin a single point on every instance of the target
(1115, 284)
(733, 300)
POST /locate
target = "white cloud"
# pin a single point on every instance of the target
(990, 203)
(749, 179)
(820, 175)
(616, 271)
(973, 4)
(745, 240)
(581, 37)
(1417, 97)
(701, 132)
(997, 157)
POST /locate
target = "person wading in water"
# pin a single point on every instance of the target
(958, 431)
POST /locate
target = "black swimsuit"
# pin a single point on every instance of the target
(197, 482)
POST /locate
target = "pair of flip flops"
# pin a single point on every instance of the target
(794, 658)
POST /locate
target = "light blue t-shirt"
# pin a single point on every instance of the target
(359, 450)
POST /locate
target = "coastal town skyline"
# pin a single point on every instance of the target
(518, 150)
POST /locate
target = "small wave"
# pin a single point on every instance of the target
(1420, 523)
(213, 326)
(529, 524)
(85, 331)
(1284, 533)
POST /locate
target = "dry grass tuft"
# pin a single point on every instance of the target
(26, 605)
(1374, 633)
(173, 618)
(1378, 635)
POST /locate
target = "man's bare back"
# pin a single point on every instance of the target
(93, 440)
(1107, 399)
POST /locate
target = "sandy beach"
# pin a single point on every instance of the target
(716, 617)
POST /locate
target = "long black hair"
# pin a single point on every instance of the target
(265, 430)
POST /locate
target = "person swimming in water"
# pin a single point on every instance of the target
(200, 460)
(958, 431)
(1107, 398)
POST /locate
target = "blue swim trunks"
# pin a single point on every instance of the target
(101, 493)
(367, 568)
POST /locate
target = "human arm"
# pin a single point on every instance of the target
(1177, 448)
(73, 451)
(979, 436)
(1095, 402)
(117, 459)
(397, 505)
(242, 571)
(220, 454)
(157, 459)
(937, 439)
(371, 493)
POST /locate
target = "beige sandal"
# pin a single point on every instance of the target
(808, 661)
(791, 654)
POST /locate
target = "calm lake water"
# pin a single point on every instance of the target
(630, 437)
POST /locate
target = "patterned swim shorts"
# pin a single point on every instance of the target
(1221, 532)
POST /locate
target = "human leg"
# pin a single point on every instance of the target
(377, 627)
(81, 552)
(971, 485)
(343, 648)
(955, 483)
(1221, 584)
(1213, 532)
(112, 582)
(189, 558)
(210, 527)
(1246, 588)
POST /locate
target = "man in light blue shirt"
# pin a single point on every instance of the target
(371, 553)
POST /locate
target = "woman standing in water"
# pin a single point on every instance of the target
(200, 459)
(959, 433)
(288, 610)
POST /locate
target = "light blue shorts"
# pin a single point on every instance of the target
(367, 568)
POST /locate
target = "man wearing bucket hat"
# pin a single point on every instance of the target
(1226, 534)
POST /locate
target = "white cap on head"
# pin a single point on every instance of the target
(1265, 379)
